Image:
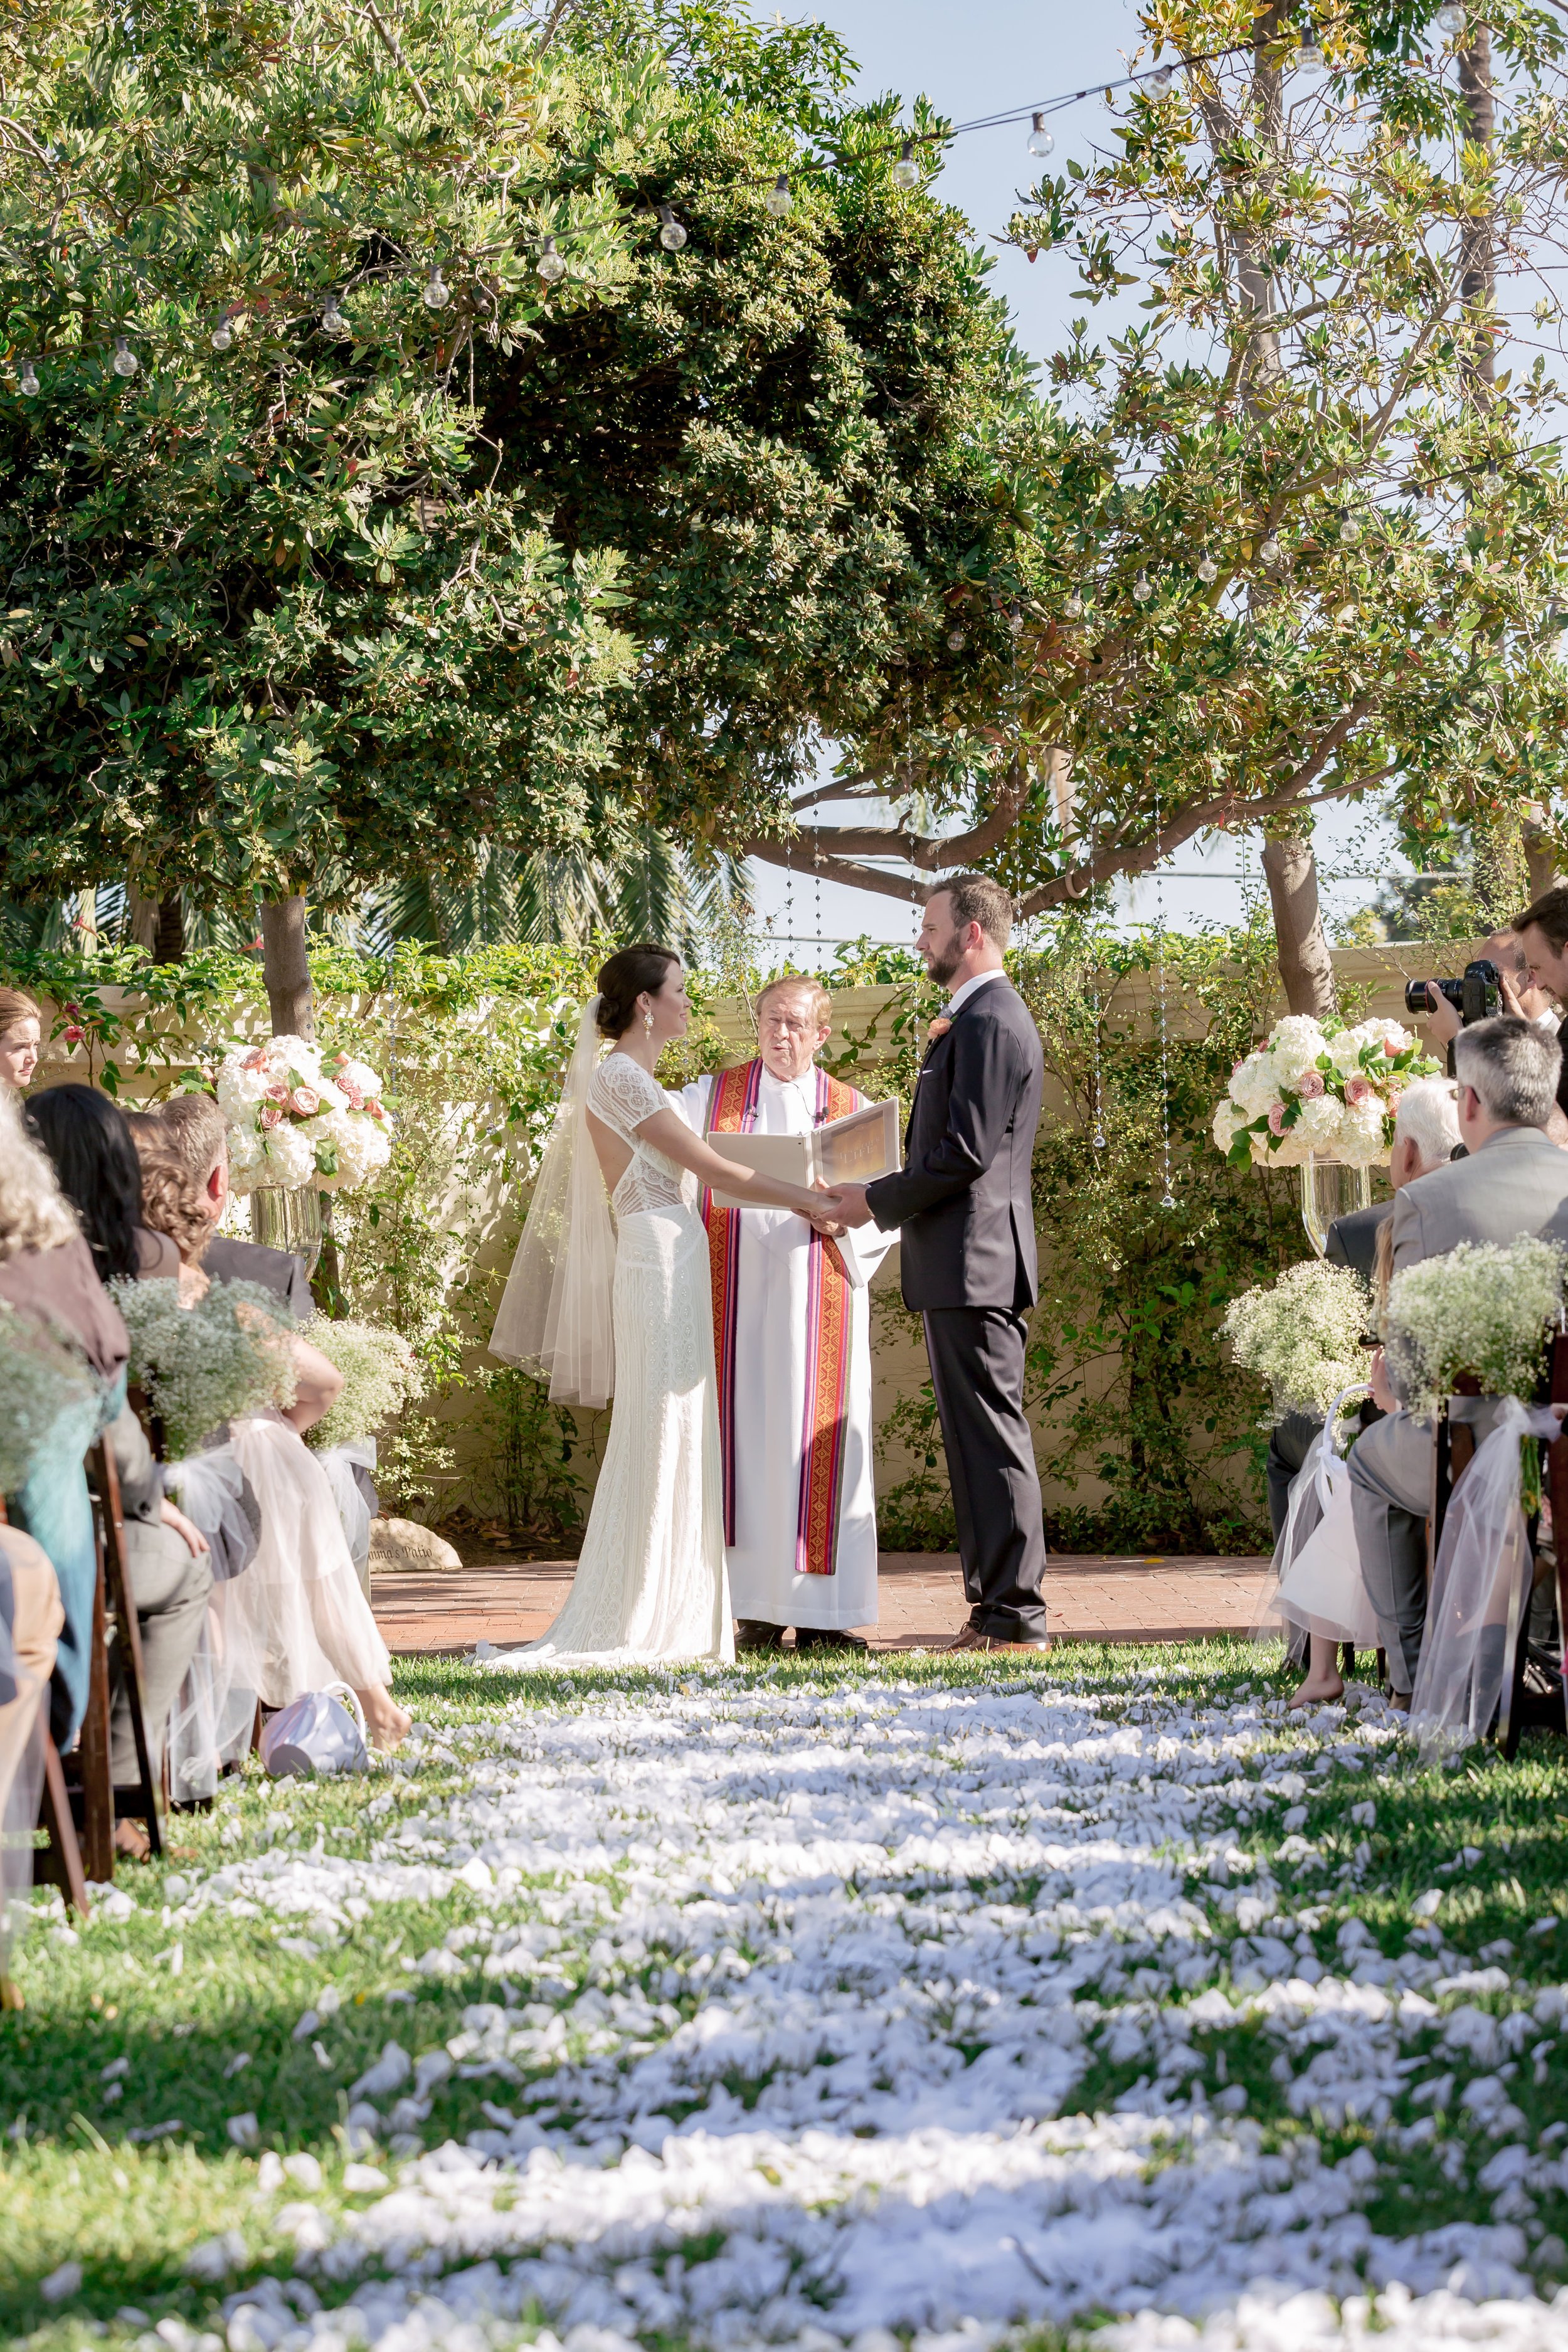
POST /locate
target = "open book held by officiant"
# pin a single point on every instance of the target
(853, 1149)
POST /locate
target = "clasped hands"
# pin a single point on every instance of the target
(843, 1206)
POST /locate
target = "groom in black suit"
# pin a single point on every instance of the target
(964, 1205)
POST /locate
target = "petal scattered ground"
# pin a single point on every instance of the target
(910, 2000)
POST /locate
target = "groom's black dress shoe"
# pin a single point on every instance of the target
(755, 1634)
(825, 1637)
(972, 1638)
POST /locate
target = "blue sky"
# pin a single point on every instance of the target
(977, 59)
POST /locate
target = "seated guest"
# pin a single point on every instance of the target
(1425, 1130)
(191, 1128)
(47, 1271)
(298, 1619)
(1513, 1181)
(167, 1559)
(21, 1033)
(30, 1621)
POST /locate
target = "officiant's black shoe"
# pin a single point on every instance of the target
(972, 1638)
(754, 1634)
(825, 1637)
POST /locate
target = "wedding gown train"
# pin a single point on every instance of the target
(651, 1583)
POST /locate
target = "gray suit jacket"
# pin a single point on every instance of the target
(276, 1270)
(1351, 1239)
(1516, 1183)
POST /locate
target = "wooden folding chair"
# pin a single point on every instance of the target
(138, 1803)
(60, 1862)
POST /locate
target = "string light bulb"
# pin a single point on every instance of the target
(436, 295)
(222, 334)
(778, 199)
(1160, 80)
(906, 171)
(1208, 570)
(27, 380)
(1269, 552)
(1073, 608)
(334, 321)
(1350, 530)
(1041, 141)
(672, 232)
(957, 640)
(1491, 480)
(126, 362)
(550, 264)
(1451, 21)
(1143, 587)
(1016, 621)
(1309, 58)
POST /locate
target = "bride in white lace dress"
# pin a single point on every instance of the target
(597, 1309)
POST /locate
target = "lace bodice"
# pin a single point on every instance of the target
(622, 1095)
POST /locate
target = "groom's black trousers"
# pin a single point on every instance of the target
(977, 1372)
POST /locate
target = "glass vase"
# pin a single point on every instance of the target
(1331, 1190)
(288, 1221)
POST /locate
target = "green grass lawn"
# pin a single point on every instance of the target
(167, 2058)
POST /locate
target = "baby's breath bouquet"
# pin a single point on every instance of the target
(207, 1364)
(380, 1373)
(41, 1380)
(1302, 1334)
(1482, 1311)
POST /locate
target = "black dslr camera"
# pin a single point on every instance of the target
(1474, 996)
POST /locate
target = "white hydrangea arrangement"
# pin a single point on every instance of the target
(1483, 1311)
(381, 1376)
(204, 1364)
(297, 1118)
(42, 1379)
(1302, 1334)
(1319, 1089)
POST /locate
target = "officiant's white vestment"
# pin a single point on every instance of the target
(792, 1343)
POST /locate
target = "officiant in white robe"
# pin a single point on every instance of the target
(793, 1347)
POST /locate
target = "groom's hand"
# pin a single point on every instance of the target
(848, 1202)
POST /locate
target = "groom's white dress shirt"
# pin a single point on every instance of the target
(771, 1362)
(960, 996)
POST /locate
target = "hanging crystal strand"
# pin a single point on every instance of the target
(1097, 1139)
(817, 880)
(1167, 1198)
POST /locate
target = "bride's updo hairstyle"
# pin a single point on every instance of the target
(631, 973)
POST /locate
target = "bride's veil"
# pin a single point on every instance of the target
(555, 1318)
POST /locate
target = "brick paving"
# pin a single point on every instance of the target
(921, 1600)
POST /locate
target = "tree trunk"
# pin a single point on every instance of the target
(157, 925)
(286, 965)
(1540, 859)
(142, 916)
(1291, 874)
(1477, 257)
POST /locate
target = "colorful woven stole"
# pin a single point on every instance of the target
(732, 1110)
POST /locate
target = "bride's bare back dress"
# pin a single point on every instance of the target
(651, 1582)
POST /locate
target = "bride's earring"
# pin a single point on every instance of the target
(648, 1021)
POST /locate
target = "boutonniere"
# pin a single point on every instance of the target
(938, 1028)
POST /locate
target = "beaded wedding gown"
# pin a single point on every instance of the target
(651, 1583)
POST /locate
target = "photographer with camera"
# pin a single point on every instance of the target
(1543, 931)
(1513, 1180)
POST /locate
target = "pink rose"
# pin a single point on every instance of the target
(1311, 1085)
(1276, 1119)
(271, 1114)
(1392, 1049)
(1358, 1090)
(256, 1061)
(356, 1100)
(277, 1092)
(375, 1110)
(304, 1102)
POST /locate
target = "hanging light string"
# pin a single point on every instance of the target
(553, 267)
(1098, 1137)
(1168, 1198)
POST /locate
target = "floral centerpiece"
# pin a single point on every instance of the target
(297, 1118)
(1302, 1334)
(381, 1376)
(1319, 1089)
(42, 1379)
(207, 1364)
(1483, 1311)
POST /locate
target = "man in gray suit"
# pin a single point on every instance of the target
(1514, 1182)
(1425, 1130)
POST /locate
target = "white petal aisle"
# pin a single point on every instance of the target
(817, 2015)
